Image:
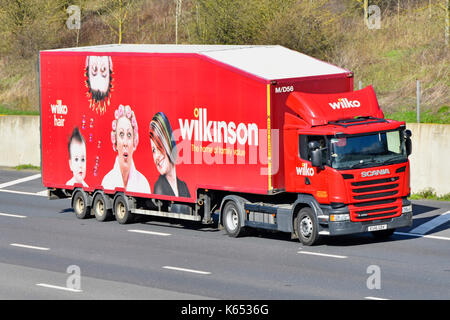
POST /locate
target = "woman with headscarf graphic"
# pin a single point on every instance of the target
(164, 155)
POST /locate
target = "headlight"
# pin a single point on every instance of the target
(407, 208)
(339, 217)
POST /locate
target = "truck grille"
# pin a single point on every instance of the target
(370, 201)
(372, 189)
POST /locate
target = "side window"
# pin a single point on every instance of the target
(303, 146)
(393, 142)
(305, 153)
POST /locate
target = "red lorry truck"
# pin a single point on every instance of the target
(258, 136)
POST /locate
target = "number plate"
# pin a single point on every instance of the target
(377, 228)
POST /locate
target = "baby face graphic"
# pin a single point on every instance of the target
(77, 161)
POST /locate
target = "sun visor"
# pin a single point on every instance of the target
(319, 109)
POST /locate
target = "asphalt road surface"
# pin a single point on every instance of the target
(47, 253)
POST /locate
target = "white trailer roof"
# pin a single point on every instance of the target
(264, 61)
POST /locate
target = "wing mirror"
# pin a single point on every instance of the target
(316, 154)
(408, 143)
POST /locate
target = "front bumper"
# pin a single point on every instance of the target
(349, 227)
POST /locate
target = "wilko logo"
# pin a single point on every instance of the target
(284, 89)
(372, 173)
(344, 104)
(304, 170)
(60, 110)
(217, 131)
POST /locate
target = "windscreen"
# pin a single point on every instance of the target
(369, 150)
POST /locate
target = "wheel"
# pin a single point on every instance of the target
(80, 204)
(232, 220)
(383, 234)
(121, 210)
(99, 207)
(307, 228)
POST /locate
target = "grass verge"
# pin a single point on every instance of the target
(27, 167)
(442, 116)
(17, 112)
(429, 194)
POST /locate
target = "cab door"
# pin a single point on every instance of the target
(300, 175)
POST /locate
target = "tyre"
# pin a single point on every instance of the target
(121, 210)
(383, 234)
(307, 228)
(231, 219)
(101, 212)
(80, 204)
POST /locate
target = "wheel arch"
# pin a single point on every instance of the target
(108, 199)
(86, 196)
(240, 203)
(303, 201)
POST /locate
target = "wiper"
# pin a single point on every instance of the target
(392, 160)
(363, 163)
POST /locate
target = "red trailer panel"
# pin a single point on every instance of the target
(210, 118)
(213, 110)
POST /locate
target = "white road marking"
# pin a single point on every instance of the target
(29, 247)
(11, 183)
(43, 193)
(323, 254)
(12, 215)
(58, 287)
(186, 270)
(150, 232)
(422, 236)
(375, 298)
(433, 223)
(23, 192)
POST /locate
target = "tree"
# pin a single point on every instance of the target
(114, 14)
(74, 20)
(232, 22)
(303, 26)
(32, 25)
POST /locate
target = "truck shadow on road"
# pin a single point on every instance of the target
(66, 210)
(177, 224)
(343, 240)
(368, 238)
(419, 209)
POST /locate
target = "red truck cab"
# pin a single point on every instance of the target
(340, 151)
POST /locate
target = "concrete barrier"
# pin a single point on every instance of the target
(20, 141)
(431, 152)
(20, 144)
